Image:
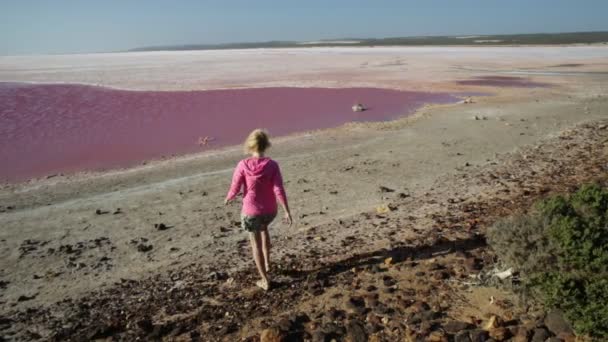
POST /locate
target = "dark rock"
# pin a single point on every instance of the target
(479, 335)
(425, 327)
(382, 309)
(161, 226)
(355, 305)
(388, 281)
(419, 306)
(24, 298)
(462, 336)
(454, 327)
(385, 189)
(145, 324)
(355, 332)
(144, 248)
(335, 315)
(284, 324)
(103, 331)
(422, 316)
(371, 300)
(540, 335)
(472, 264)
(318, 336)
(557, 324)
(333, 330)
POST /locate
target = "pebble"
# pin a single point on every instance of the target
(272, 335)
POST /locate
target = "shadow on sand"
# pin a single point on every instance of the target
(398, 254)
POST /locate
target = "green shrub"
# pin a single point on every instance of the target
(561, 249)
(522, 241)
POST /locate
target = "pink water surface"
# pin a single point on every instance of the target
(52, 128)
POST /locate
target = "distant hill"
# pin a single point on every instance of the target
(507, 39)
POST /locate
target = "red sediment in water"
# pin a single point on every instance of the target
(52, 128)
(503, 81)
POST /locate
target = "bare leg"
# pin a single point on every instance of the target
(258, 256)
(266, 247)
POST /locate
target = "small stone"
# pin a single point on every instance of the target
(382, 209)
(500, 334)
(493, 322)
(388, 261)
(523, 334)
(437, 336)
(272, 335)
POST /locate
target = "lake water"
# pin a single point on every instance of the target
(55, 128)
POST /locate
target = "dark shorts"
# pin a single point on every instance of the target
(256, 222)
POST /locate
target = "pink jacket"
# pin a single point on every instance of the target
(262, 185)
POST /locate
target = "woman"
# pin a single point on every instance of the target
(260, 178)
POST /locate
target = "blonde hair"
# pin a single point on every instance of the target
(257, 141)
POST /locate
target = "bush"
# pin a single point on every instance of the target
(561, 249)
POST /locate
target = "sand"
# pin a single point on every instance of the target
(53, 244)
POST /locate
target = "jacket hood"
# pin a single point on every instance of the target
(255, 166)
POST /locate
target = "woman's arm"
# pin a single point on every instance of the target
(279, 191)
(238, 179)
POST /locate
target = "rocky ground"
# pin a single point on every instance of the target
(415, 269)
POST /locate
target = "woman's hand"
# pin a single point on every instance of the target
(287, 219)
(226, 201)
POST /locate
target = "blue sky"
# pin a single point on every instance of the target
(68, 26)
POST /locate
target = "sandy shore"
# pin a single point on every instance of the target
(64, 237)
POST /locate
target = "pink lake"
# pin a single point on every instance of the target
(55, 128)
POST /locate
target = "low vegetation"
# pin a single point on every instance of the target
(511, 39)
(560, 249)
